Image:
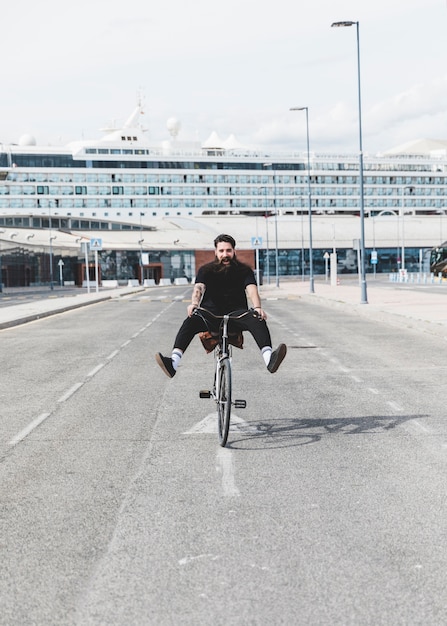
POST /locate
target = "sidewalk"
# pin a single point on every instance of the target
(423, 307)
(31, 310)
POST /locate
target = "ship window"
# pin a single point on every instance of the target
(103, 151)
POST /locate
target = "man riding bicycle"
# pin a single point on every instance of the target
(221, 287)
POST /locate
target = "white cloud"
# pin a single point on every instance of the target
(234, 67)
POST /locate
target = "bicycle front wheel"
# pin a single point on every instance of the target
(224, 401)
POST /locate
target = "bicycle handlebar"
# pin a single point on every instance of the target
(221, 317)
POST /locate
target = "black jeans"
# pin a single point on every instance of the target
(201, 322)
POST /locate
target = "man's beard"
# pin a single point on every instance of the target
(225, 267)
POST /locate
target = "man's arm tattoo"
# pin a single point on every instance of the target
(197, 294)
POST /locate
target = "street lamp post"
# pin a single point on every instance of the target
(1, 274)
(276, 224)
(51, 249)
(309, 195)
(267, 237)
(364, 299)
(302, 242)
(402, 258)
(140, 241)
(276, 231)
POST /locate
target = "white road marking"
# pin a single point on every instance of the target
(70, 392)
(189, 559)
(26, 431)
(422, 427)
(225, 466)
(38, 420)
(394, 406)
(209, 426)
(95, 370)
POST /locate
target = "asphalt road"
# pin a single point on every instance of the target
(118, 506)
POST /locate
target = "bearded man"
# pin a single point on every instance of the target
(222, 287)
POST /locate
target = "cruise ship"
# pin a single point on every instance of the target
(157, 204)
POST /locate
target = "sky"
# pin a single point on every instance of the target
(232, 66)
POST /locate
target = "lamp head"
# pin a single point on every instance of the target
(342, 24)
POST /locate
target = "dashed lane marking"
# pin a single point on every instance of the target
(72, 390)
(26, 431)
(95, 370)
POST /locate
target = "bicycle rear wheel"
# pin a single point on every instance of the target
(224, 401)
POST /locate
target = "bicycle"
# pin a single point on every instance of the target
(221, 343)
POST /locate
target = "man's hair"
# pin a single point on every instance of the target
(225, 238)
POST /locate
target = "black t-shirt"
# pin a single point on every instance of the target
(225, 286)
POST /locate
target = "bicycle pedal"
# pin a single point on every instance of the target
(204, 394)
(240, 404)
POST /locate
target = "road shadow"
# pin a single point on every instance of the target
(287, 432)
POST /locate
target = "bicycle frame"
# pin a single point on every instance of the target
(224, 346)
(222, 383)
